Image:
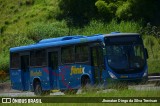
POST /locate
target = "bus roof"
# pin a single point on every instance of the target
(66, 40)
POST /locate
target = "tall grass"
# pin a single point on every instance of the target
(153, 47)
(98, 27)
(38, 31)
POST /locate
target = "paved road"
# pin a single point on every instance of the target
(14, 93)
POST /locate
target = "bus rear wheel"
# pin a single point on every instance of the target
(38, 89)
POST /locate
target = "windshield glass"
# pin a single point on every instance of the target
(125, 57)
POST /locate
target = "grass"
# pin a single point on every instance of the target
(119, 93)
(153, 47)
(153, 65)
(17, 14)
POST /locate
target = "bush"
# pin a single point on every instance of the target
(38, 31)
(4, 60)
(7, 41)
(152, 46)
(96, 27)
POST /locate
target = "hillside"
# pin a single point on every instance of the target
(16, 15)
(19, 18)
(25, 22)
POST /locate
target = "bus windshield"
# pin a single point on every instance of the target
(125, 58)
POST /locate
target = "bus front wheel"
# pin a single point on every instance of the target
(85, 82)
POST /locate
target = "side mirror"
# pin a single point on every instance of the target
(146, 52)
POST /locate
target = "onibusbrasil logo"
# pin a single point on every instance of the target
(21, 100)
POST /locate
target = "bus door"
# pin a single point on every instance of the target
(53, 65)
(25, 72)
(97, 63)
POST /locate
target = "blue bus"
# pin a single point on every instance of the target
(71, 62)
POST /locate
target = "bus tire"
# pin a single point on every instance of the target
(38, 89)
(85, 82)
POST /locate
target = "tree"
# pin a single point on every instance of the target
(78, 12)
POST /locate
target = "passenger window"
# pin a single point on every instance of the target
(15, 60)
(38, 58)
(67, 54)
(82, 53)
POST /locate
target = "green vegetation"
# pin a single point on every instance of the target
(25, 22)
(118, 93)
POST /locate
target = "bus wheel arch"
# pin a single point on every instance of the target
(85, 80)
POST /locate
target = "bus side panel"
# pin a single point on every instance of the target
(70, 75)
(16, 79)
(43, 74)
(64, 79)
(77, 72)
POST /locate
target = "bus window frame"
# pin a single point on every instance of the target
(61, 54)
(23, 54)
(101, 45)
(36, 66)
(82, 44)
(53, 49)
(19, 64)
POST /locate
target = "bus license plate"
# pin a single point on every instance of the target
(124, 76)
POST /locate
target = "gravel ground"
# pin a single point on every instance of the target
(6, 88)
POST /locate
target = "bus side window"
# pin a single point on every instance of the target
(15, 60)
(53, 60)
(98, 58)
(67, 54)
(38, 58)
(81, 53)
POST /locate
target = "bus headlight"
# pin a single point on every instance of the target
(112, 75)
(145, 73)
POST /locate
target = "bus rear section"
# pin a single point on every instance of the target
(19, 71)
(29, 71)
